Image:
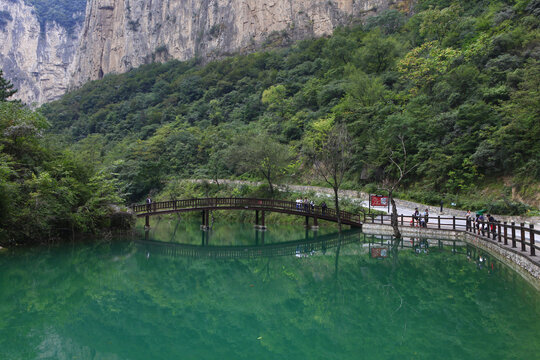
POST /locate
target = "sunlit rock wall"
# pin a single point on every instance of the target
(36, 59)
(122, 34)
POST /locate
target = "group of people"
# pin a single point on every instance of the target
(420, 219)
(479, 222)
(308, 205)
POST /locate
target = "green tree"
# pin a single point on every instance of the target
(328, 149)
(6, 88)
(422, 65)
(266, 157)
(378, 53)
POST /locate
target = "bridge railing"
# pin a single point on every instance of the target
(248, 203)
(510, 234)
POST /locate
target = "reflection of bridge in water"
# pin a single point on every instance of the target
(301, 247)
(290, 248)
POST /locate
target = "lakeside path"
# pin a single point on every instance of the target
(403, 206)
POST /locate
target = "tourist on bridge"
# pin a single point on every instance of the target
(480, 220)
(426, 217)
(468, 220)
(323, 207)
(416, 217)
(148, 203)
(491, 223)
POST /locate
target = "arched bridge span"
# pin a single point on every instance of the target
(258, 205)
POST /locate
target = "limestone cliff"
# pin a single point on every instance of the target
(43, 60)
(122, 34)
(36, 58)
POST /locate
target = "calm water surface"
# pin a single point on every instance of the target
(316, 299)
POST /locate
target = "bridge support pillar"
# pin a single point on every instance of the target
(147, 222)
(259, 225)
(315, 225)
(263, 225)
(205, 223)
(307, 222)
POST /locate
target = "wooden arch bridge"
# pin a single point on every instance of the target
(260, 206)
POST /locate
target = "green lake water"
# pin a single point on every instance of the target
(234, 293)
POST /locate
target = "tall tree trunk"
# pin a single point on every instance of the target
(268, 178)
(394, 217)
(271, 187)
(338, 214)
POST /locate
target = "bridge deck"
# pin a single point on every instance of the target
(281, 206)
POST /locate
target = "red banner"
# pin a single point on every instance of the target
(379, 200)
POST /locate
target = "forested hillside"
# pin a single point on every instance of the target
(46, 191)
(459, 80)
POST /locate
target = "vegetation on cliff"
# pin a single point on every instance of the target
(66, 13)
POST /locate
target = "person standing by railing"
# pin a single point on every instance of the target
(323, 207)
(491, 223)
(480, 223)
(416, 217)
(148, 203)
(426, 217)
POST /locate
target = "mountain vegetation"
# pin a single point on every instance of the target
(458, 81)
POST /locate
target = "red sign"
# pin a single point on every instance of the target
(379, 200)
(379, 253)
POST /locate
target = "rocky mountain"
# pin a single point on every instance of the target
(37, 56)
(118, 35)
(121, 34)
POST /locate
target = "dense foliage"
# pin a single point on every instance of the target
(458, 80)
(66, 13)
(46, 192)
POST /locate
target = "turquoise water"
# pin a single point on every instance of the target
(234, 295)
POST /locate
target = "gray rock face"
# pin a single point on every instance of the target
(122, 34)
(118, 35)
(36, 60)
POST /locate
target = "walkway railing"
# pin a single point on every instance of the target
(289, 207)
(510, 234)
